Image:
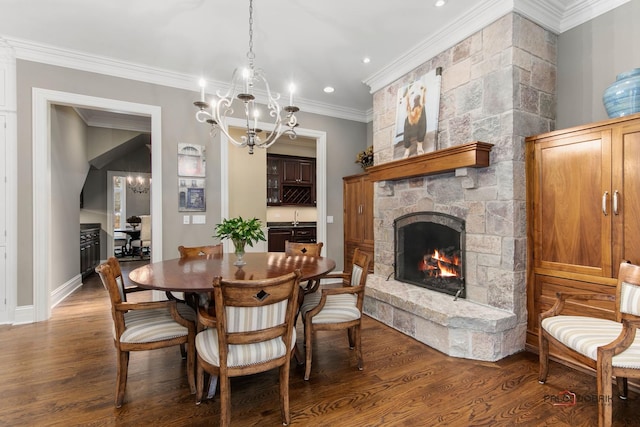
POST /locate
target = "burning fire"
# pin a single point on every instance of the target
(440, 265)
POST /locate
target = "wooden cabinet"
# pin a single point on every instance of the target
(291, 180)
(358, 216)
(298, 171)
(583, 201)
(89, 248)
(274, 182)
(301, 234)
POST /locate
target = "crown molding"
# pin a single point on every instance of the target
(105, 119)
(553, 15)
(52, 55)
(471, 22)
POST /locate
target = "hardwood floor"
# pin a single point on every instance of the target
(62, 373)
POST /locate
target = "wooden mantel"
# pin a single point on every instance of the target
(472, 155)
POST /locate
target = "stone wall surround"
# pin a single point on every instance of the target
(498, 86)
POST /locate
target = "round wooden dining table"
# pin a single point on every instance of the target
(196, 274)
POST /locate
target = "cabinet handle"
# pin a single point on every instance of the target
(615, 203)
(604, 203)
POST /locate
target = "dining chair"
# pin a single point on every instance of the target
(252, 331)
(337, 308)
(307, 249)
(207, 251)
(610, 347)
(140, 326)
(144, 241)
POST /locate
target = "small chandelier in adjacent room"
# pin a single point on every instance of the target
(138, 185)
(244, 83)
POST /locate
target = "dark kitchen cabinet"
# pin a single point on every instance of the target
(300, 234)
(291, 181)
(89, 248)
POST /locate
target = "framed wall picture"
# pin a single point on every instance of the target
(191, 194)
(191, 160)
(418, 105)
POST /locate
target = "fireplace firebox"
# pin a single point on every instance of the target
(429, 251)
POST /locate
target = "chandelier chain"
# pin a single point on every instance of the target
(250, 55)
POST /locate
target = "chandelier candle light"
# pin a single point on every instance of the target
(244, 83)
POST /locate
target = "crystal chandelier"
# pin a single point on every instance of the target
(244, 83)
(138, 185)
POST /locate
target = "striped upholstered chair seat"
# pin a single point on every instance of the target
(143, 326)
(611, 348)
(337, 308)
(207, 343)
(586, 334)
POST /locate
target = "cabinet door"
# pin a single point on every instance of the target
(307, 172)
(366, 215)
(352, 208)
(290, 171)
(626, 194)
(277, 239)
(572, 181)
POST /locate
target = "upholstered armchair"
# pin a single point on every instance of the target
(140, 326)
(610, 347)
(337, 308)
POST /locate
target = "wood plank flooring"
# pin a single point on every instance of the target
(61, 372)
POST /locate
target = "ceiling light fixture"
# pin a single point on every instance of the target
(366, 60)
(328, 89)
(138, 185)
(243, 83)
(440, 3)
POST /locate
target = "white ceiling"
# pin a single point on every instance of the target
(313, 43)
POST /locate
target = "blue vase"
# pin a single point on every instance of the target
(623, 96)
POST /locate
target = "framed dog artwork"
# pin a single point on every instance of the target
(417, 116)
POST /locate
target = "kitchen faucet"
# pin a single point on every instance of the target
(295, 217)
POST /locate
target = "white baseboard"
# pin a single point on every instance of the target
(61, 292)
(24, 314)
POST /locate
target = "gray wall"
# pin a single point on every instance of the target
(344, 139)
(69, 169)
(589, 58)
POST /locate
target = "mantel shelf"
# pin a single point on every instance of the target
(472, 155)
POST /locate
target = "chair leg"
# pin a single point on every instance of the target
(225, 401)
(284, 393)
(623, 387)
(199, 383)
(121, 376)
(307, 348)
(191, 361)
(350, 335)
(298, 355)
(605, 394)
(543, 356)
(183, 351)
(357, 337)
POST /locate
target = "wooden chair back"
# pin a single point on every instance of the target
(308, 249)
(252, 311)
(628, 293)
(193, 251)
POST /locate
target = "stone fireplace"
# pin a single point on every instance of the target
(498, 86)
(429, 252)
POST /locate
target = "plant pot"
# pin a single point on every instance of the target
(622, 97)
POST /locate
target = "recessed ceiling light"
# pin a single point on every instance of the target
(328, 89)
(366, 60)
(440, 3)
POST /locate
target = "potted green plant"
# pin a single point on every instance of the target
(241, 232)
